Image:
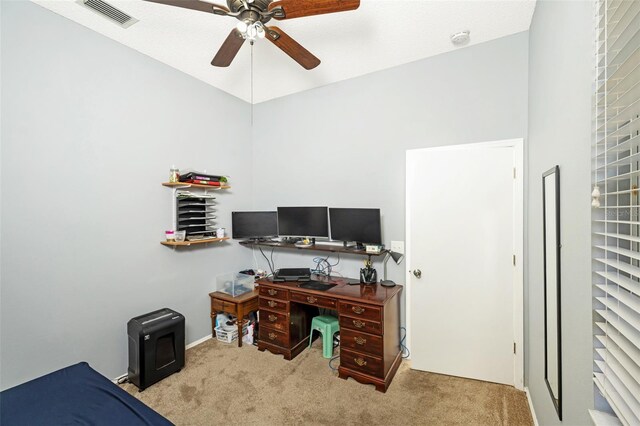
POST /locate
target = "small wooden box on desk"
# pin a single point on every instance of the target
(369, 317)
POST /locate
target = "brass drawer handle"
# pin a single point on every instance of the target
(311, 299)
(272, 292)
(272, 318)
(360, 340)
(273, 336)
(357, 309)
(360, 361)
(358, 323)
(271, 303)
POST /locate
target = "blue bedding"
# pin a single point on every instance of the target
(76, 395)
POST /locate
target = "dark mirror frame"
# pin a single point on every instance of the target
(555, 287)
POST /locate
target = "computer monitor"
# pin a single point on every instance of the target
(254, 225)
(359, 225)
(310, 222)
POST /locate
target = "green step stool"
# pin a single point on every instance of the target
(327, 326)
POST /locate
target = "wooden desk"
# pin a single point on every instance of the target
(369, 317)
(238, 306)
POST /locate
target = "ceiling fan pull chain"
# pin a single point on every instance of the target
(252, 82)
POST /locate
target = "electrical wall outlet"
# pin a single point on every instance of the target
(397, 246)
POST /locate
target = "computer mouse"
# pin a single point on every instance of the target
(387, 283)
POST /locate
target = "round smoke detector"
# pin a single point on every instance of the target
(460, 38)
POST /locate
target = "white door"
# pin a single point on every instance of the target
(463, 231)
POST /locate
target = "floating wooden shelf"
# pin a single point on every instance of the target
(194, 185)
(315, 247)
(189, 243)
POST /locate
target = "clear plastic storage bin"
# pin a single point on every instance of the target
(235, 284)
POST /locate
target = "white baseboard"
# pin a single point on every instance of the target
(197, 342)
(533, 412)
(600, 418)
(189, 346)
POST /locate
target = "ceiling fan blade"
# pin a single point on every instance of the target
(229, 49)
(292, 48)
(202, 6)
(288, 9)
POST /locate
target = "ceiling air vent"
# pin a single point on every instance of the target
(113, 13)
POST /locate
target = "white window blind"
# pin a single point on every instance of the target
(616, 220)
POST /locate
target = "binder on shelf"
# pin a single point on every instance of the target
(199, 176)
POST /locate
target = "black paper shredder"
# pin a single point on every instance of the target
(156, 346)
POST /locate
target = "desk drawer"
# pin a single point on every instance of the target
(311, 299)
(361, 311)
(276, 293)
(357, 361)
(274, 305)
(274, 337)
(275, 320)
(360, 325)
(360, 341)
(218, 305)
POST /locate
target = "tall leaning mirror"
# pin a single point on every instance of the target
(551, 245)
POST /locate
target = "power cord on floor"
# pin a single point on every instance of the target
(331, 360)
(336, 344)
(405, 350)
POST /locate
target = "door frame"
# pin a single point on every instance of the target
(518, 244)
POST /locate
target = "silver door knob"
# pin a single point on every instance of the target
(417, 273)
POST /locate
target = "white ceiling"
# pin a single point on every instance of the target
(380, 34)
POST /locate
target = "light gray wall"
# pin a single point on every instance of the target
(79, 259)
(560, 81)
(90, 129)
(0, 187)
(344, 145)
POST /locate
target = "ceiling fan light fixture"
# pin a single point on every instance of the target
(251, 31)
(242, 26)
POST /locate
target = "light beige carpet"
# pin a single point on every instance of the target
(224, 384)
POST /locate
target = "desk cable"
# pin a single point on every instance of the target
(255, 259)
(323, 266)
(336, 344)
(405, 350)
(331, 360)
(271, 265)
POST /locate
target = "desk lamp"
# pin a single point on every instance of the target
(397, 257)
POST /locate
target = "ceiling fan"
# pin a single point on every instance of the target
(254, 14)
